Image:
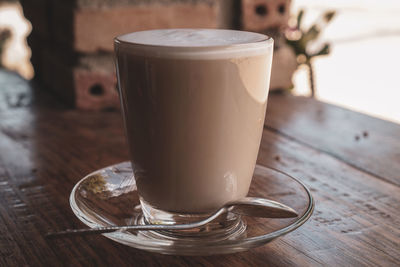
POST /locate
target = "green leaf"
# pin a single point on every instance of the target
(296, 46)
(328, 16)
(299, 18)
(310, 35)
(325, 50)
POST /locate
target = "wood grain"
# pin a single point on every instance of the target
(353, 209)
(369, 144)
(45, 149)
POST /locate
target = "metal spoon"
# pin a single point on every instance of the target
(250, 206)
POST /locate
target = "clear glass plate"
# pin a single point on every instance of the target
(108, 197)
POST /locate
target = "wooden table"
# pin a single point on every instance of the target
(350, 161)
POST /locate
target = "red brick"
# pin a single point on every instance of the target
(122, 3)
(94, 29)
(85, 81)
(74, 79)
(261, 15)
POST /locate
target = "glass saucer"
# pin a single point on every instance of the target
(108, 197)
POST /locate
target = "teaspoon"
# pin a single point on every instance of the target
(249, 206)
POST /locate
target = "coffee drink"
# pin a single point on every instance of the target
(194, 104)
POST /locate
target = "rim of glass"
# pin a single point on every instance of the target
(161, 50)
(162, 246)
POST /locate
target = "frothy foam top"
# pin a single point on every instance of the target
(194, 43)
(192, 37)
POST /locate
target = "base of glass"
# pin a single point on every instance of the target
(116, 202)
(226, 226)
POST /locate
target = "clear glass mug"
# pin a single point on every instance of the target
(193, 102)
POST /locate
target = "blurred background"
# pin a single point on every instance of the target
(342, 52)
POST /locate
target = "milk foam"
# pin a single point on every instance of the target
(192, 37)
(194, 43)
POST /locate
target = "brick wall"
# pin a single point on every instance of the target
(72, 41)
(261, 15)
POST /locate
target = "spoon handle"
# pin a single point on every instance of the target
(248, 206)
(88, 231)
(147, 227)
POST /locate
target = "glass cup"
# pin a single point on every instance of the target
(193, 102)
